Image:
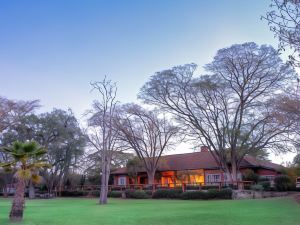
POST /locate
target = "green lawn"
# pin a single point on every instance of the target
(157, 212)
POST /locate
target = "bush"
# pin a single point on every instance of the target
(167, 193)
(225, 193)
(94, 193)
(73, 193)
(194, 195)
(114, 194)
(282, 183)
(257, 187)
(249, 175)
(138, 194)
(266, 185)
(210, 194)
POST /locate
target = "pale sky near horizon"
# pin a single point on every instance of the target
(52, 50)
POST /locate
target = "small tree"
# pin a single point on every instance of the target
(26, 160)
(133, 166)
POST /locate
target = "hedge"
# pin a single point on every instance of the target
(167, 193)
(73, 193)
(210, 194)
(161, 193)
(114, 194)
(138, 194)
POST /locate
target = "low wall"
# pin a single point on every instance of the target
(249, 194)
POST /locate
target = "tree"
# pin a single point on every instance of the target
(284, 22)
(230, 109)
(133, 166)
(27, 161)
(11, 114)
(12, 111)
(93, 164)
(102, 136)
(60, 133)
(296, 160)
(147, 134)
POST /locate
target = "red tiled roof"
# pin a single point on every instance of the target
(200, 160)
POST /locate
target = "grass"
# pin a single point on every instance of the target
(157, 212)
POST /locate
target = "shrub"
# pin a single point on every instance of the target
(212, 193)
(114, 194)
(282, 182)
(225, 193)
(266, 185)
(249, 175)
(257, 187)
(167, 193)
(94, 193)
(194, 195)
(73, 193)
(138, 194)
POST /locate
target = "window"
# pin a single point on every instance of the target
(211, 178)
(122, 180)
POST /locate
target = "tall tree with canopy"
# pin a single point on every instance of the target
(26, 160)
(148, 134)
(230, 110)
(60, 133)
(11, 114)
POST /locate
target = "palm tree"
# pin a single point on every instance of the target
(26, 161)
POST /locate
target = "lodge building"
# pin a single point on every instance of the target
(194, 168)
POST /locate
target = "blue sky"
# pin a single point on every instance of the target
(51, 50)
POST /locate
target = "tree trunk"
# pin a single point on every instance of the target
(16, 213)
(151, 180)
(31, 190)
(234, 174)
(104, 183)
(5, 191)
(150, 177)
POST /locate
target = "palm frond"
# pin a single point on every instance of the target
(23, 174)
(36, 179)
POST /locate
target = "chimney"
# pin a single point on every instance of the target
(204, 149)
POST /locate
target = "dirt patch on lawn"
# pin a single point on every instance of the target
(297, 198)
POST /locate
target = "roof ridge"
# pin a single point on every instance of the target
(183, 153)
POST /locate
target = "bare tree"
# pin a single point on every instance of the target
(231, 109)
(148, 134)
(101, 133)
(284, 21)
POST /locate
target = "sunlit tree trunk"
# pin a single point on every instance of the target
(16, 213)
